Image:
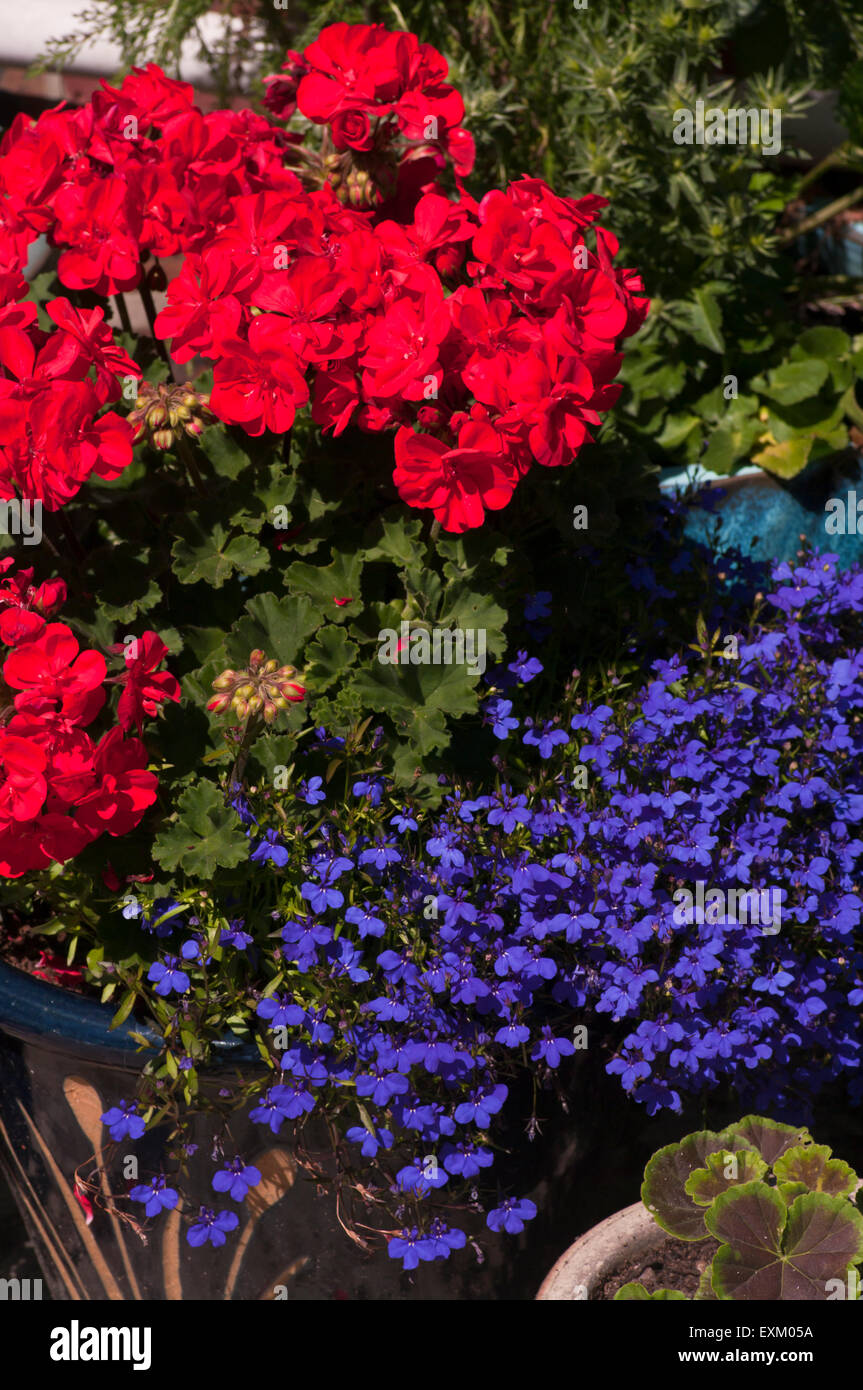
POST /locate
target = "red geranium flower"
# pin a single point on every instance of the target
(124, 787)
(53, 671)
(145, 686)
(259, 384)
(457, 482)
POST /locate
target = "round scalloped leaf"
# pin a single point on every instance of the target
(663, 1191)
(724, 1169)
(812, 1165)
(790, 1190)
(769, 1137)
(770, 1252)
(638, 1293)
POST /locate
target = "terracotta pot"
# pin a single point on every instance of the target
(629, 1234)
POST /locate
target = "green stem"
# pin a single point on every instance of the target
(123, 311)
(823, 215)
(187, 454)
(250, 729)
(74, 544)
(150, 311)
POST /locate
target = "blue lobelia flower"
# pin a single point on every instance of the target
(157, 1196)
(211, 1226)
(236, 1178)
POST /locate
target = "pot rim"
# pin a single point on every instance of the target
(36, 1011)
(626, 1234)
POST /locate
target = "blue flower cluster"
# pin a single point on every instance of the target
(446, 950)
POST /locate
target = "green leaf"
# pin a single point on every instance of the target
(723, 1170)
(332, 654)
(794, 381)
(813, 1165)
(823, 342)
(722, 452)
(205, 836)
(790, 1190)
(475, 612)
(227, 456)
(277, 626)
(124, 1010)
(419, 699)
(851, 407)
(663, 1191)
(396, 538)
(768, 1251)
(786, 459)
(204, 642)
(214, 558)
(705, 1292)
(324, 583)
(676, 429)
(770, 1138)
(707, 321)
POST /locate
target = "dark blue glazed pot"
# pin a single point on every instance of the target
(61, 1068)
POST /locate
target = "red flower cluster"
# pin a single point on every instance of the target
(51, 440)
(372, 88)
(60, 790)
(483, 335)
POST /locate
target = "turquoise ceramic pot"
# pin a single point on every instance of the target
(764, 517)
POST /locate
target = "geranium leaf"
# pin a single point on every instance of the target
(814, 1166)
(769, 1137)
(705, 1293)
(277, 626)
(332, 653)
(790, 1190)
(663, 1191)
(769, 1251)
(396, 538)
(340, 579)
(215, 557)
(205, 836)
(722, 1170)
(822, 342)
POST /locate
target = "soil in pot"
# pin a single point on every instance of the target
(26, 949)
(675, 1264)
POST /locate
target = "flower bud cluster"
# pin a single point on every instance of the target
(262, 688)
